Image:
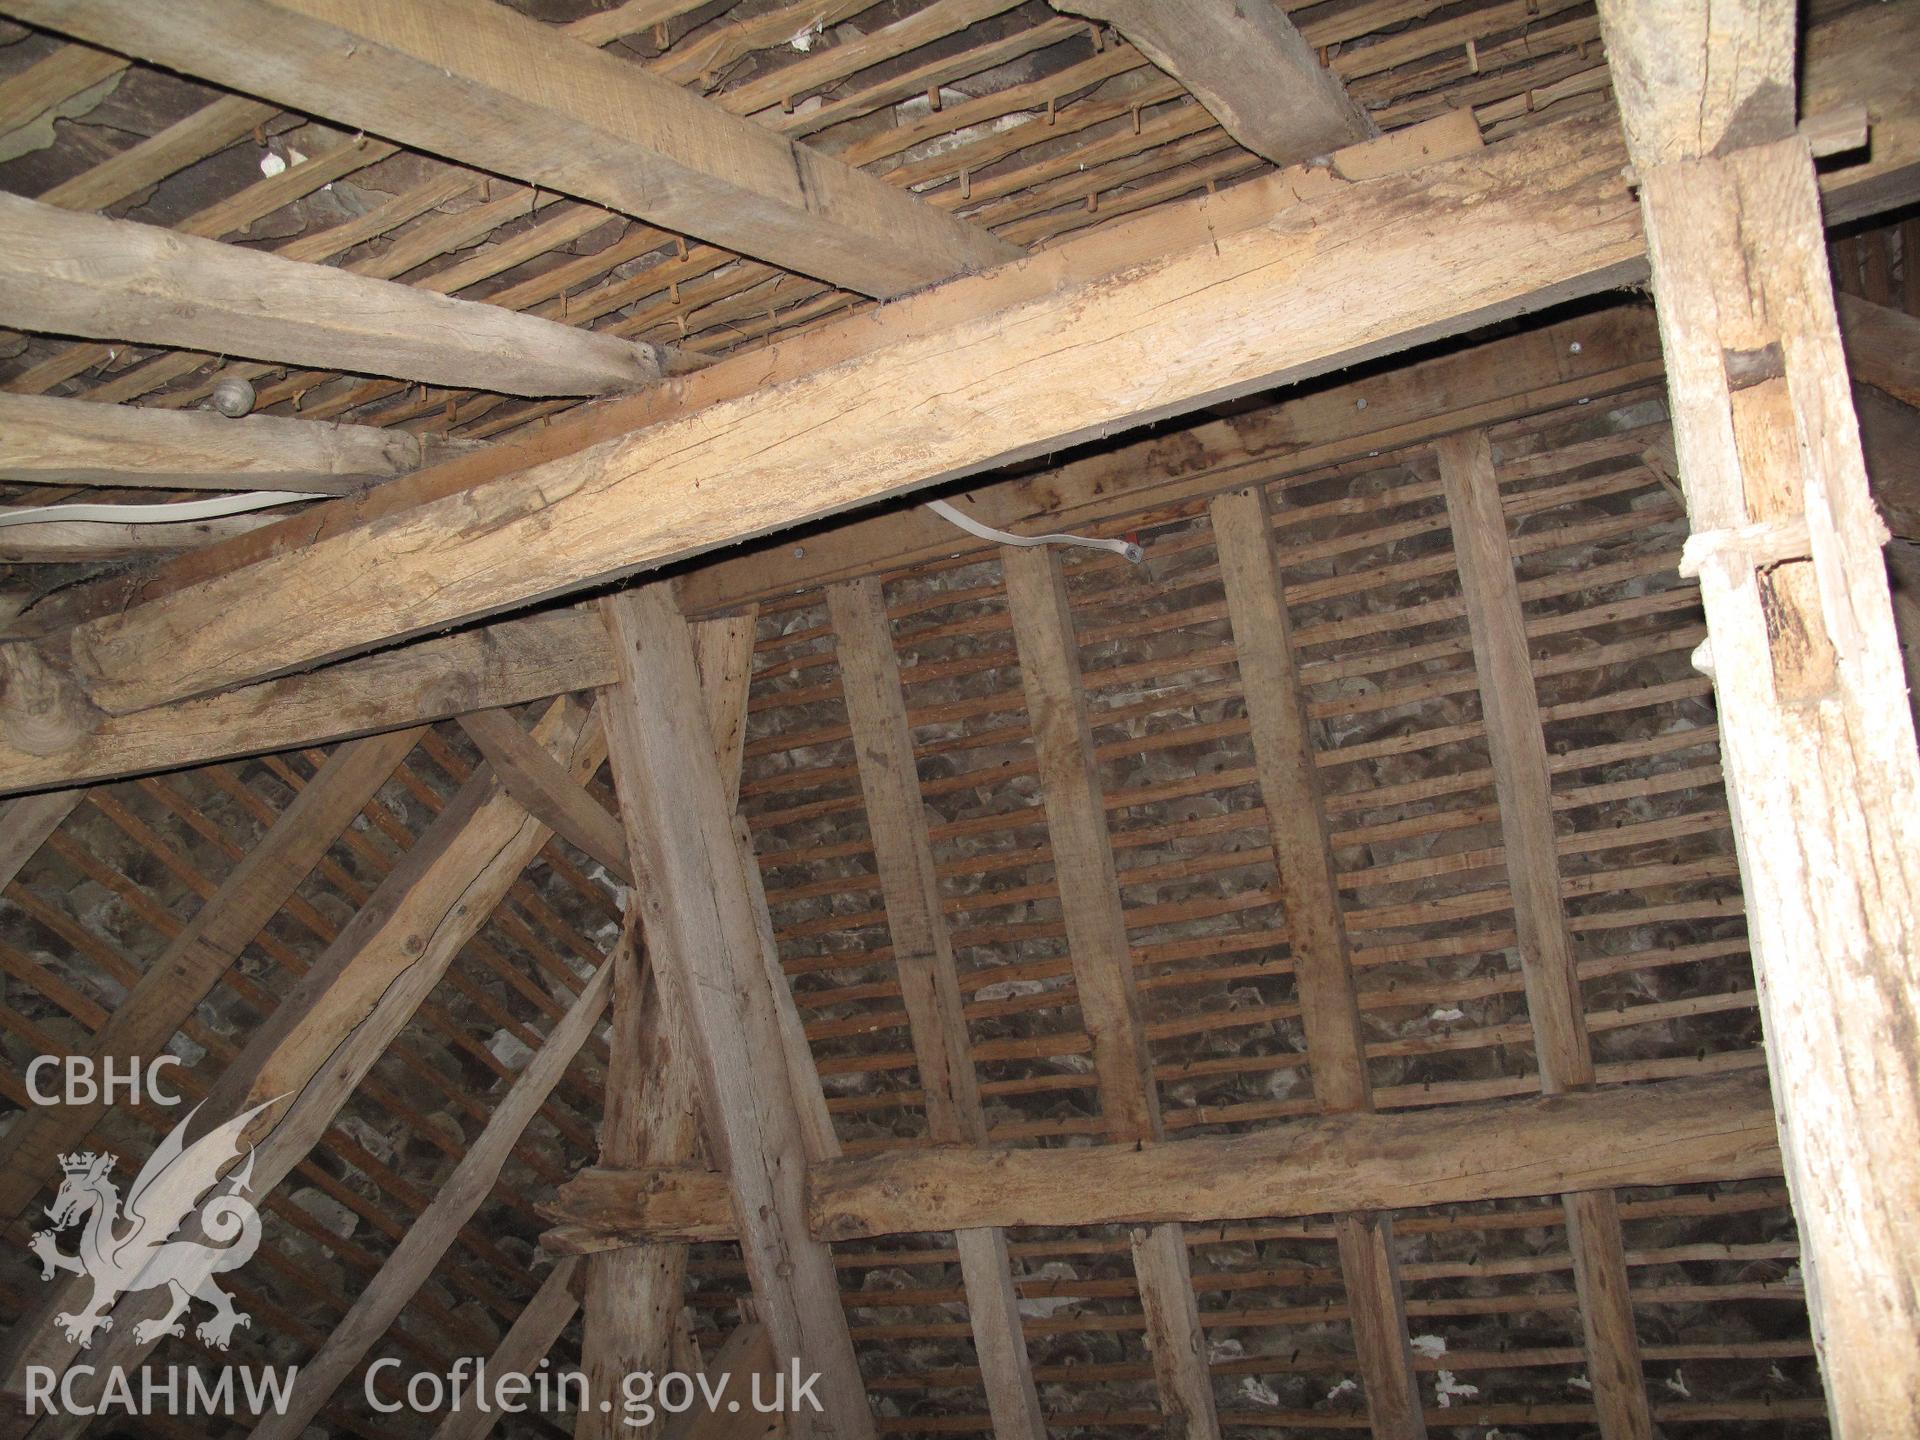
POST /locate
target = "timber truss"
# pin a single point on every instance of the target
(1312, 978)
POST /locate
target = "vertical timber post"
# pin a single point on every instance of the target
(1817, 737)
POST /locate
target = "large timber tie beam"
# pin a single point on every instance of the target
(1669, 1132)
(955, 380)
(1817, 738)
(478, 83)
(555, 651)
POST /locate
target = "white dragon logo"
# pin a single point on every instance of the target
(144, 1255)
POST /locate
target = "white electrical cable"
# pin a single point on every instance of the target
(171, 513)
(1133, 553)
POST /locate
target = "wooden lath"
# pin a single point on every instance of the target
(409, 906)
(1177, 541)
(753, 1041)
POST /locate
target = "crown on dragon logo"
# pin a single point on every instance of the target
(138, 1244)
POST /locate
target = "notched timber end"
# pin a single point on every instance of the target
(43, 708)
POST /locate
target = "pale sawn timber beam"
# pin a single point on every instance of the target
(966, 376)
(535, 1331)
(49, 441)
(538, 656)
(1273, 304)
(67, 273)
(535, 657)
(475, 82)
(1247, 63)
(1669, 1132)
(634, 1294)
(770, 571)
(541, 783)
(1817, 737)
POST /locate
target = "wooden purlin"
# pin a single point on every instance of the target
(1103, 971)
(1510, 709)
(1700, 1129)
(1316, 933)
(923, 958)
(453, 77)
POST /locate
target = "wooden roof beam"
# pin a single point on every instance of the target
(1308, 883)
(1517, 747)
(541, 784)
(950, 382)
(1247, 63)
(77, 442)
(480, 84)
(1667, 1132)
(948, 396)
(1882, 345)
(635, 1292)
(929, 981)
(772, 570)
(1103, 971)
(535, 657)
(534, 1332)
(70, 273)
(1823, 778)
(713, 961)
